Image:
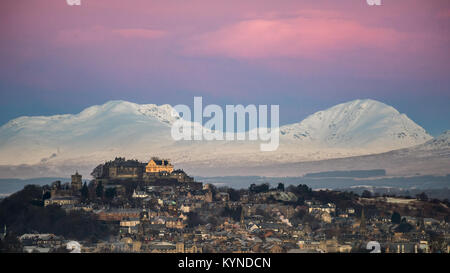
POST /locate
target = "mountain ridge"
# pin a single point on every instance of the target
(121, 128)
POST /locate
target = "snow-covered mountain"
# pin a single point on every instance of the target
(366, 124)
(116, 127)
(120, 128)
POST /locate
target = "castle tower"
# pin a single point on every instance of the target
(421, 222)
(362, 226)
(76, 182)
(180, 247)
(242, 222)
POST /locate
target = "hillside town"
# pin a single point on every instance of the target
(130, 206)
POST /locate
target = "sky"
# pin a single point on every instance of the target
(305, 56)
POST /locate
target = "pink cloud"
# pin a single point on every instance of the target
(444, 14)
(302, 36)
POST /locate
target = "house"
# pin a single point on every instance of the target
(139, 194)
(43, 242)
(174, 222)
(329, 208)
(64, 200)
(129, 222)
(117, 214)
(411, 220)
(185, 208)
(430, 221)
(223, 196)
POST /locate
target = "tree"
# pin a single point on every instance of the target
(110, 193)
(213, 221)
(99, 190)
(84, 192)
(234, 213)
(437, 243)
(366, 194)
(302, 191)
(46, 196)
(78, 225)
(280, 187)
(396, 218)
(404, 227)
(234, 194)
(194, 220)
(422, 197)
(259, 188)
(10, 244)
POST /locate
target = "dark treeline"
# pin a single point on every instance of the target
(234, 213)
(303, 192)
(24, 212)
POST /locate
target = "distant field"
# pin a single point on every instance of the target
(399, 200)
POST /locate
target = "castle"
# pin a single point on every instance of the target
(116, 173)
(121, 169)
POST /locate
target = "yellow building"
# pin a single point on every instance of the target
(159, 165)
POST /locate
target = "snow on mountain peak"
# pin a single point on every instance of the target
(164, 113)
(359, 123)
(161, 113)
(440, 142)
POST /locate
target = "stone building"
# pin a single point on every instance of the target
(77, 182)
(119, 169)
